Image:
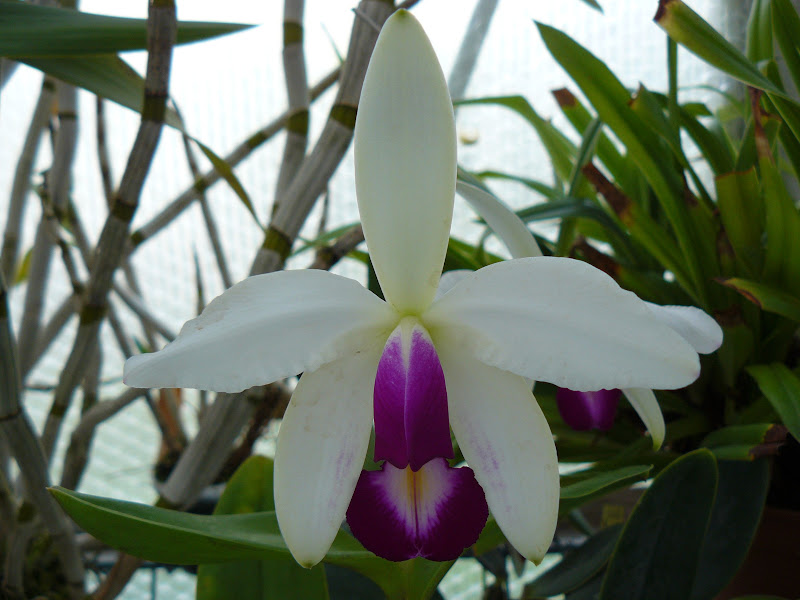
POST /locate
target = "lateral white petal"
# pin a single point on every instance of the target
(646, 406)
(320, 452)
(562, 321)
(692, 324)
(405, 163)
(505, 438)
(263, 329)
(501, 219)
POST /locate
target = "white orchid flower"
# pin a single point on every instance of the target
(588, 409)
(548, 319)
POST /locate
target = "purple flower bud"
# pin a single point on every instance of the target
(588, 410)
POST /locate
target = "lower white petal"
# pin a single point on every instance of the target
(692, 324)
(505, 439)
(646, 406)
(266, 328)
(562, 321)
(320, 452)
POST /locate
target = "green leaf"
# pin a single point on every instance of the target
(224, 169)
(105, 75)
(594, 4)
(577, 567)
(689, 29)
(786, 27)
(545, 190)
(742, 212)
(745, 442)
(174, 537)
(611, 101)
(599, 484)
(249, 491)
(759, 31)
(28, 30)
(23, 268)
(657, 553)
(782, 388)
(767, 297)
(741, 494)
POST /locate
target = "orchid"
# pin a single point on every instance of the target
(415, 364)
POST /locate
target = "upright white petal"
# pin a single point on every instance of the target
(646, 406)
(562, 321)
(405, 163)
(321, 448)
(266, 328)
(505, 438)
(449, 279)
(692, 324)
(501, 219)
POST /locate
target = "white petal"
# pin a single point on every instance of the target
(506, 440)
(562, 321)
(646, 406)
(501, 219)
(405, 163)
(692, 324)
(263, 329)
(321, 448)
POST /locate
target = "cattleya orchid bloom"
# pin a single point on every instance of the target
(550, 319)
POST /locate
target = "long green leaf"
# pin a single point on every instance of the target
(610, 99)
(658, 551)
(28, 30)
(689, 29)
(782, 388)
(105, 75)
(767, 297)
(248, 491)
(224, 169)
(577, 567)
(737, 510)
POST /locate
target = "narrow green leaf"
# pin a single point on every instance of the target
(759, 31)
(742, 213)
(105, 75)
(689, 29)
(767, 297)
(611, 101)
(577, 567)
(23, 268)
(782, 388)
(545, 190)
(657, 553)
(594, 4)
(250, 490)
(713, 144)
(28, 30)
(224, 169)
(786, 28)
(604, 479)
(741, 494)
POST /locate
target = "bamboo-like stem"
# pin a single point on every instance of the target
(57, 189)
(294, 70)
(318, 167)
(328, 256)
(50, 331)
(21, 186)
(117, 578)
(208, 217)
(73, 470)
(241, 152)
(21, 437)
(161, 25)
(103, 159)
(470, 47)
